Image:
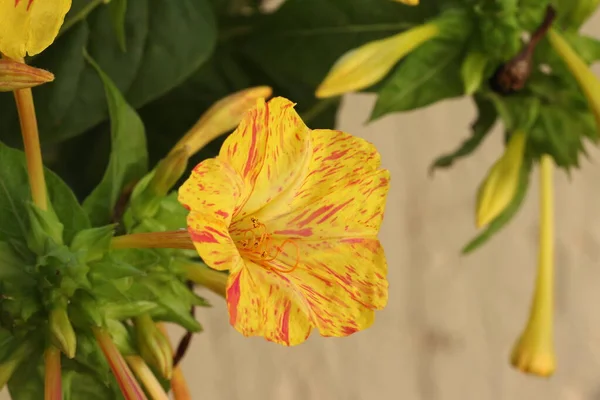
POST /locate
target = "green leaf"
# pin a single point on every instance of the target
(166, 42)
(516, 111)
(14, 193)
(481, 127)
(11, 265)
(94, 243)
(505, 216)
(83, 385)
(118, 12)
(128, 159)
(560, 132)
(430, 74)
(586, 46)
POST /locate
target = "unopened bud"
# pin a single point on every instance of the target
(168, 171)
(8, 367)
(44, 225)
(472, 70)
(368, 64)
(154, 347)
(15, 75)
(63, 335)
(222, 117)
(501, 184)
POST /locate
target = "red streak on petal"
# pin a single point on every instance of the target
(285, 325)
(353, 240)
(349, 330)
(216, 232)
(335, 210)
(295, 232)
(202, 237)
(222, 213)
(233, 298)
(336, 155)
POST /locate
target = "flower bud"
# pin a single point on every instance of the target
(368, 64)
(501, 184)
(168, 171)
(8, 367)
(588, 82)
(221, 117)
(43, 225)
(145, 375)
(15, 75)
(127, 383)
(154, 347)
(534, 351)
(472, 70)
(62, 333)
(215, 281)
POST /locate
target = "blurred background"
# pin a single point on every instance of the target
(451, 320)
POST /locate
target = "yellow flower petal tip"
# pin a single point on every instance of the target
(293, 214)
(368, 64)
(502, 182)
(408, 2)
(30, 26)
(222, 117)
(15, 75)
(534, 356)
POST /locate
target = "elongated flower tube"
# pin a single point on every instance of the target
(30, 26)
(534, 351)
(293, 214)
(501, 184)
(129, 386)
(147, 378)
(222, 117)
(15, 75)
(215, 281)
(53, 376)
(588, 82)
(368, 64)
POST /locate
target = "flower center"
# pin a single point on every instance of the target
(257, 245)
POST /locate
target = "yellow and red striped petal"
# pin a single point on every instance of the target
(343, 281)
(260, 303)
(212, 194)
(30, 26)
(269, 150)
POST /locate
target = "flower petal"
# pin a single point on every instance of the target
(47, 16)
(260, 303)
(341, 281)
(30, 26)
(268, 150)
(14, 29)
(211, 193)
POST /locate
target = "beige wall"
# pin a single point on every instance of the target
(451, 320)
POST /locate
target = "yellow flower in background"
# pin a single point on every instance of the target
(368, 64)
(408, 2)
(293, 214)
(588, 82)
(501, 184)
(534, 350)
(30, 26)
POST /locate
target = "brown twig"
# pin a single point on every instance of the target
(186, 340)
(512, 76)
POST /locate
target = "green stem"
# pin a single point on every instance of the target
(81, 15)
(201, 274)
(154, 240)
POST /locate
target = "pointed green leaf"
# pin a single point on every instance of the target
(128, 159)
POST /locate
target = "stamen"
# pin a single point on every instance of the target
(261, 249)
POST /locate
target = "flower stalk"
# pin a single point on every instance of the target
(534, 351)
(52, 372)
(179, 385)
(145, 375)
(201, 274)
(154, 240)
(127, 383)
(31, 143)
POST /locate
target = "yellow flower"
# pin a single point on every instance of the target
(589, 83)
(501, 184)
(534, 351)
(30, 26)
(408, 2)
(293, 214)
(369, 63)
